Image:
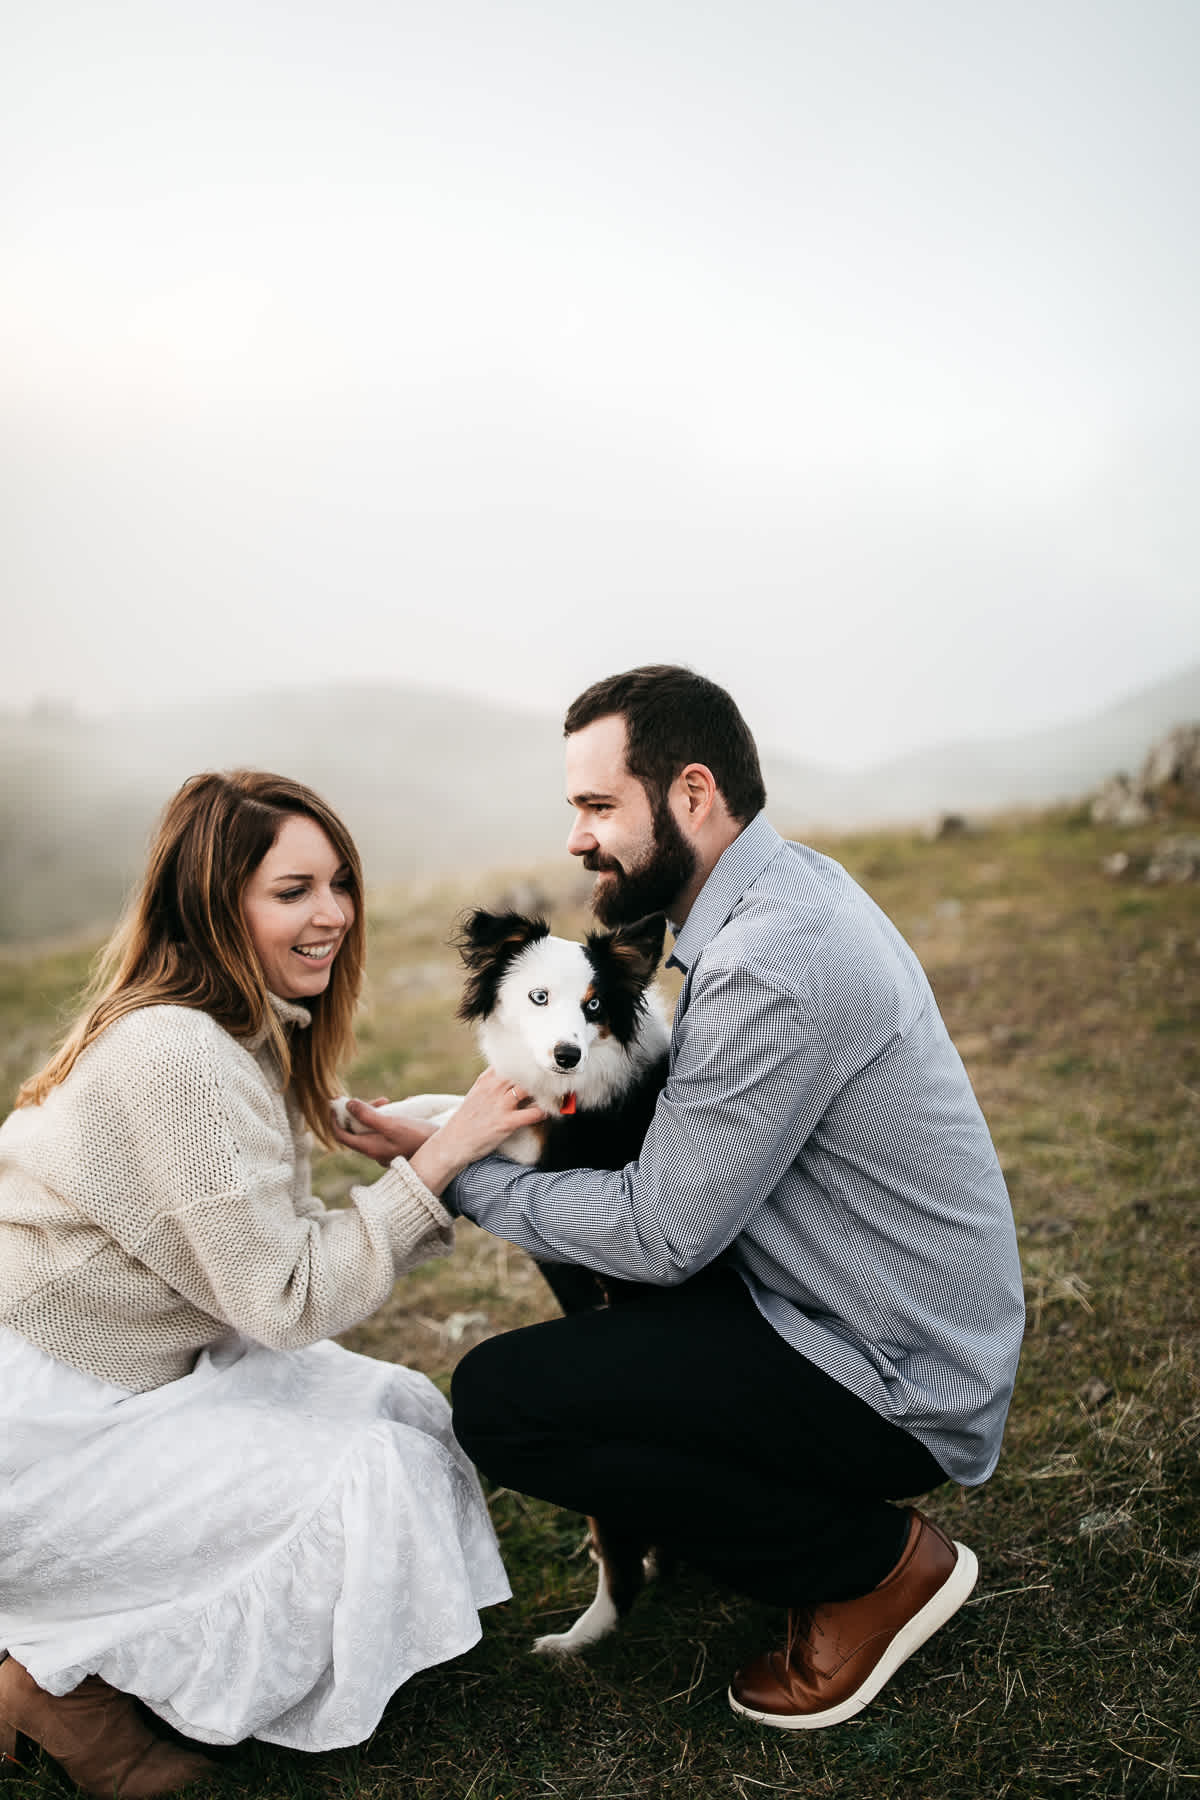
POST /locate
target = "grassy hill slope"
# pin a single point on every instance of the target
(1075, 1001)
(442, 782)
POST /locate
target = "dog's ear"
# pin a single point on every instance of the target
(637, 948)
(484, 936)
(487, 943)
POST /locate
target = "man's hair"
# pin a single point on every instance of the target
(674, 717)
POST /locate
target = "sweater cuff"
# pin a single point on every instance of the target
(418, 1225)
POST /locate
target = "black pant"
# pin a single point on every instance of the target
(680, 1413)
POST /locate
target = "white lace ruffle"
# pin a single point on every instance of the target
(268, 1547)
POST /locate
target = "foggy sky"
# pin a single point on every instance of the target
(845, 352)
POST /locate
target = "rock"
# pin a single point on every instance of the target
(524, 897)
(946, 825)
(1120, 802)
(1175, 859)
(1170, 772)
(1116, 865)
(1175, 762)
(1048, 1226)
(1108, 1519)
(458, 1324)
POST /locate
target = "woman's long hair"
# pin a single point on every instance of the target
(183, 940)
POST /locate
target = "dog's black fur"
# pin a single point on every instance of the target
(593, 1137)
(607, 1136)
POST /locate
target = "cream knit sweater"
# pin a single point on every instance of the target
(160, 1196)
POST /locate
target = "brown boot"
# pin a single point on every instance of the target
(839, 1655)
(96, 1734)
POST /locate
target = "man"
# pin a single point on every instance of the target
(831, 1309)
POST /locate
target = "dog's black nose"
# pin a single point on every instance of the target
(566, 1055)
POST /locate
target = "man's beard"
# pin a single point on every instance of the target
(650, 888)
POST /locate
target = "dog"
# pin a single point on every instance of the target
(580, 1027)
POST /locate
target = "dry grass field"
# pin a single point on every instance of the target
(1074, 1669)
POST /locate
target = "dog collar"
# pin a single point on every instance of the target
(567, 1107)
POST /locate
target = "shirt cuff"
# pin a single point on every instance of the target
(480, 1183)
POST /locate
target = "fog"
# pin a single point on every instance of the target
(437, 785)
(848, 354)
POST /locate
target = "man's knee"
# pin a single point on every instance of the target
(477, 1393)
(504, 1393)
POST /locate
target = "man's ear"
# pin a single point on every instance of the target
(697, 786)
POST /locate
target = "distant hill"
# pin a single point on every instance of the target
(985, 775)
(435, 783)
(426, 782)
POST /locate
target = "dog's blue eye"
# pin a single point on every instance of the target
(591, 1008)
(539, 996)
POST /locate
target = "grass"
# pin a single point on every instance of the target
(1074, 1668)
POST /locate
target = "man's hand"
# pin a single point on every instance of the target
(379, 1137)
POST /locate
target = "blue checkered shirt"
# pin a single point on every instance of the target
(818, 1132)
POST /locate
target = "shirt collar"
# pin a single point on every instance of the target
(743, 862)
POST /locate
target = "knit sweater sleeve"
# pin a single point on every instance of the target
(306, 1203)
(186, 1158)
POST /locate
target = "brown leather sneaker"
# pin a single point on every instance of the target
(839, 1655)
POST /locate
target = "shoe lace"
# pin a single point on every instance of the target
(801, 1621)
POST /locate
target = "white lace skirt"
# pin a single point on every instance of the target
(268, 1547)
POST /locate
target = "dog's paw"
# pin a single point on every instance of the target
(556, 1643)
(597, 1622)
(342, 1115)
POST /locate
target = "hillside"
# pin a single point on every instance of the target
(435, 783)
(987, 775)
(1075, 1002)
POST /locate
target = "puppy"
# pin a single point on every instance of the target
(580, 1028)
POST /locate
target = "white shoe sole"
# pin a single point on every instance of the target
(936, 1610)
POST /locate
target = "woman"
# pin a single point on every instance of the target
(202, 1503)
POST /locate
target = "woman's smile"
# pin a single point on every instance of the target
(303, 882)
(317, 952)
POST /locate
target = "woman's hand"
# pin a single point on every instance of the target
(382, 1137)
(491, 1112)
